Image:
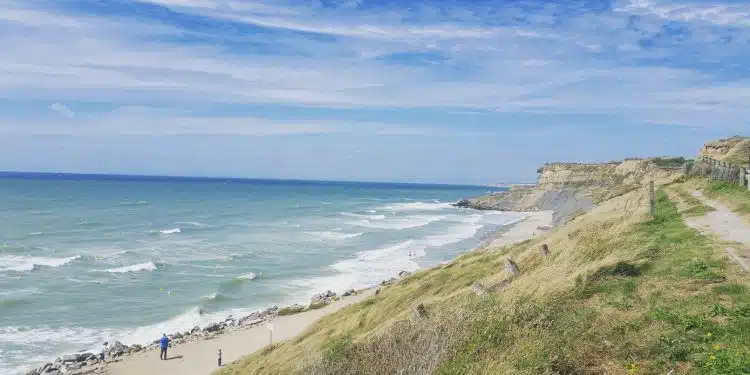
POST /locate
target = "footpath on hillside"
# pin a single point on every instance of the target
(727, 225)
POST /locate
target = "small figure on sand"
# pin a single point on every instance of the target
(164, 345)
(219, 357)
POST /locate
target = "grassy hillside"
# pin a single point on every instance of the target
(619, 293)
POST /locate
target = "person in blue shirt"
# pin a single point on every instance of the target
(164, 345)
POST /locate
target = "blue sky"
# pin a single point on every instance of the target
(425, 91)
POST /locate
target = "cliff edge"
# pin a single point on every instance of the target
(571, 188)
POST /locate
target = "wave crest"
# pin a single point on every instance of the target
(150, 266)
(19, 263)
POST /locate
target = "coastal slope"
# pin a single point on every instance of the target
(614, 290)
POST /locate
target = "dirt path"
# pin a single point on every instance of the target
(727, 225)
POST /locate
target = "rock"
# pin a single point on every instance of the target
(136, 348)
(75, 366)
(419, 311)
(250, 318)
(388, 282)
(377, 291)
(404, 274)
(186, 333)
(544, 250)
(270, 311)
(465, 203)
(195, 330)
(349, 292)
(32, 372)
(177, 335)
(322, 297)
(479, 289)
(52, 372)
(213, 327)
(117, 348)
(511, 268)
(70, 358)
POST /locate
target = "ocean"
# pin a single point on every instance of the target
(88, 259)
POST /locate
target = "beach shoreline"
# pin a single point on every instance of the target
(195, 352)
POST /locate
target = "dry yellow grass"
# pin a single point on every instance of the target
(613, 297)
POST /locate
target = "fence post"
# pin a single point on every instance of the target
(742, 177)
(652, 199)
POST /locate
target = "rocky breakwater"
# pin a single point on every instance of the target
(85, 363)
(97, 363)
(571, 188)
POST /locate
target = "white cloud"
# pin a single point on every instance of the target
(346, 58)
(62, 109)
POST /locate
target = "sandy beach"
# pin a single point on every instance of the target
(199, 357)
(526, 228)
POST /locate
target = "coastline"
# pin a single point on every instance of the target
(194, 352)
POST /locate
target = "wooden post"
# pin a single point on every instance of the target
(544, 250)
(652, 199)
(742, 177)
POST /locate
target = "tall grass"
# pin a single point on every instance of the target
(619, 294)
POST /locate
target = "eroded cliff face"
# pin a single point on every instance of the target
(722, 148)
(734, 150)
(570, 188)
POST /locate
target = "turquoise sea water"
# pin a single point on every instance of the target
(84, 260)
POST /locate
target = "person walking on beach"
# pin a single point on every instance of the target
(219, 357)
(164, 345)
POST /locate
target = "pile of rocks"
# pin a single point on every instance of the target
(68, 364)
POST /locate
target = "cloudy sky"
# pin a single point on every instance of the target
(461, 91)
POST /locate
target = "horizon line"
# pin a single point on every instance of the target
(163, 177)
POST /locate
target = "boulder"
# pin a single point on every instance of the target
(136, 348)
(213, 327)
(349, 292)
(250, 318)
(511, 268)
(70, 358)
(322, 297)
(270, 311)
(195, 330)
(419, 311)
(479, 289)
(75, 366)
(176, 335)
(404, 274)
(32, 372)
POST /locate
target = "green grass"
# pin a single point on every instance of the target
(736, 196)
(695, 207)
(290, 310)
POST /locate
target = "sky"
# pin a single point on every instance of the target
(451, 91)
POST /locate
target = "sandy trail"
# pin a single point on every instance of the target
(728, 226)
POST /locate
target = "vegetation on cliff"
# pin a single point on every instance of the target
(618, 293)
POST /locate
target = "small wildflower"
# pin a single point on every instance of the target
(709, 334)
(713, 358)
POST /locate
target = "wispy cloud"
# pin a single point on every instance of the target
(637, 61)
(62, 109)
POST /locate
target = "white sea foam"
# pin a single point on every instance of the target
(331, 235)
(170, 231)
(133, 203)
(248, 276)
(361, 216)
(400, 223)
(20, 263)
(150, 266)
(417, 206)
(193, 223)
